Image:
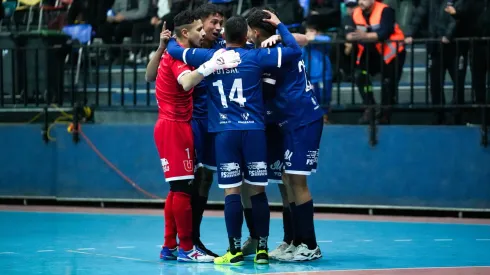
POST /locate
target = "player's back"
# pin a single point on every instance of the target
(236, 95)
(174, 103)
(295, 101)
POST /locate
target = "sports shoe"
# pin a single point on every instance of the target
(279, 250)
(201, 246)
(288, 254)
(303, 253)
(249, 246)
(168, 254)
(261, 257)
(230, 259)
(194, 255)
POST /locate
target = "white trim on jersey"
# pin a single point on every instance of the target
(256, 183)
(269, 80)
(183, 55)
(182, 74)
(209, 167)
(189, 177)
(226, 186)
(279, 57)
(294, 172)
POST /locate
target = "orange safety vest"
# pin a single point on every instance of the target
(388, 49)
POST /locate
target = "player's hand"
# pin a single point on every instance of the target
(450, 9)
(221, 59)
(445, 40)
(408, 40)
(271, 41)
(119, 17)
(164, 36)
(274, 20)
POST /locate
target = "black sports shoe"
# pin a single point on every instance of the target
(201, 246)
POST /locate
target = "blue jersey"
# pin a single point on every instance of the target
(295, 101)
(269, 91)
(235, 95)
(199, 96)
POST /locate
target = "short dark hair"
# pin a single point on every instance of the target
(182, 19)
(236, 30)
(208, 9)
(256, 18)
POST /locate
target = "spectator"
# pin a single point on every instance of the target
(121, 19)
(375, 22)
(349, 52)
(445, 56)
(474, 16)
(318, 65)
(93, 12)
(159, 9)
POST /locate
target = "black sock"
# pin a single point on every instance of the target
(234, 221)
(296, 222)
(249, 221)
(261, 216)
(287, 224)
(235, 245)
(308, 236)
(198, 205)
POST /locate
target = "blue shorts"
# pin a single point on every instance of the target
(301, 148)
(275, 153)
(241, 156)
(203, 144)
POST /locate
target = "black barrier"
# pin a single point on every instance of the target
(31, 77)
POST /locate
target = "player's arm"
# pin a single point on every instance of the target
(192, 56)
(301, 39)
(152, 68)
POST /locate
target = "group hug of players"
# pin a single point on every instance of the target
(235, 100)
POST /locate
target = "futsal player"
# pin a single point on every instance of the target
(175, 81)
(212, 19)
(300, 119)
(236, 116)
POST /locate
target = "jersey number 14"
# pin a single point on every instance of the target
(236, 93)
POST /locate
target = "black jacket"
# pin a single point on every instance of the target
(474, 17)
(431, 13)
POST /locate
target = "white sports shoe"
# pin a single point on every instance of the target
(194, 255)
(249, 247)
(288, 254)
(303, 253)
(279, 250)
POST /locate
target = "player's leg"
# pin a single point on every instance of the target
(229, 160)
(175, 145)
(202, 181)
(255, 159)
(250, 245)
(301, 154)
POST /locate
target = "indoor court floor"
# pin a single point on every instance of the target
(90, 241)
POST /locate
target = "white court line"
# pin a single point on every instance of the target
(443, 240)
(111, 256)
(374, 269)
(7, 253)
(403, 240)
(483, 240)
(209, 244)
(42, 251)
(82, 249)
(325, 241)
(124, 247)
(366, 241)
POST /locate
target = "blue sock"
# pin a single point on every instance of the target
(296, 221)
(261, 218)
(234, 221)
(305, 216)
(287, 224)
(250, 222)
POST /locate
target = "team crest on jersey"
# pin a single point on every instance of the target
(311, 157)
(257, 168)
(188, 165)
(276, 167)
(245, 119)
(230, 170)
(165, 165)
(223, 119)
(287, 157)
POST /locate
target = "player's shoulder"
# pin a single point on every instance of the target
(219, 43)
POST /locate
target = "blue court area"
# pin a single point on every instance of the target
(66, 243)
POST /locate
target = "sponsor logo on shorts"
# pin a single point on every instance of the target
(287, 157)
(245, 117)
(189, 165)
(230, 170)
(311, 157)
(165, 165)
(257, 169)
(276, 168)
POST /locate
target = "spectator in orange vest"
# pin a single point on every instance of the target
(379, 50)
